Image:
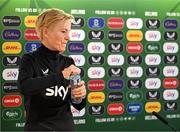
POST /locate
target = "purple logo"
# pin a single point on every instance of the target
(11, 34)
(170, 24)
(115, 84)
(96, 22)
(134, 108)
(76, 47)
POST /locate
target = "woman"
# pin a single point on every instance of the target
(43, 76)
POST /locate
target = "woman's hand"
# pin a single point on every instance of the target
(79, 91)
(71, 70)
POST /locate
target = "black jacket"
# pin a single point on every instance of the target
(47, 95)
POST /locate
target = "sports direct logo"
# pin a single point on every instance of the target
(96, 72)
(115, 60)
(135, 71)
(135, 48)
(96, 47)
(153, 83)
(96, 84)
(11, 101)
(134, 35)
(115, 22)
(10, 74)
(170, 71)
(76, 35)
(170, 94)
(11, 47)
(170, 47)
(153, 59)
(153, 35)
(134, 23)
(96, 97)
(31, 34)
(115, 109)
(152, 106)
(78, 59)
(170, 83)
(29, 21)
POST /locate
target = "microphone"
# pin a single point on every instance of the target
(163, 120)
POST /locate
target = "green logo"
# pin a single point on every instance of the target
(11, 114)
(153, 47)
(134, 96)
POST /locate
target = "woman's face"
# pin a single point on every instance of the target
(57, 35)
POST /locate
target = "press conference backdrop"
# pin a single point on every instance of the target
(128, 51)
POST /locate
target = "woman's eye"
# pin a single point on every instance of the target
(63, 31)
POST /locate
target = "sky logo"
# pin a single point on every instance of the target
(153, 23)
(76, 35)
(134, 108)
(78, 59)
(115, 60)
(153, 59)
(170, 47)
(170, 95)
(170, 24)
(76, 47)
(153, 36)
(115, 84)
(96, 72)
(153, 83)
(96, 47)
(10, 74)
(170, 71)
(96, 22)
(11, 34)
(32, 46)
(134, 23)
(11, 20)
(135, 71)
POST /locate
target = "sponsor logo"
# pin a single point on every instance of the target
(134, 23)
(96, 47)
(134, 96)
(152, 106)
(153, 59)
(153, 36)
(115, 47)
(115, 35)
(11, 47)
(115, 72)
(115, 60)
(11, 34)
(96, 22)
(153, 83)
(96, 84)
(115, 109)
(11, 60)
(77, 113)
(170, 94)
(96, 109)
(29, 21)
(134, 108)
(134, 59)
(10, 87)
(11, 21)
(96, 35)
(115, 84)
(135, 71)
(134, 35)
(170, 36)
(32, 46)
(153, 71)
(96, 60)
(96, 97)
(134, 47)
(153, 47)
(31, 34)
(170, 47)
(115, 96)
(170, 106)
(45, 72)
(153, 95)
(11, 101)
(78, 59)
(170, 59)
(76, 47)
(170, 24)
(11, 114)
(170, 83)
(134, 83)
(77, 22)
(76, 35)
(115, 22)
(96, 72)
(10, 74)
(170, 71)
(153, 23)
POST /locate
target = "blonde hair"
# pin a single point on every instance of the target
(49, 17)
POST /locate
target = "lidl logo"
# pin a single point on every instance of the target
(115, 109)
(11, 60)
(11, 21)
(152, 95)
(96, 47)
(11, 34)
(115, 35)
(77, 113)
(115, 72)
(11, 101)
(32, 46)
(153, 71)
(78, 59)
(152, 83)
(134, 59)
(170, 71)
(96, 109)
(153, 23)
(115, 22)
(134, 35)
(170, 94)
(134, 71)
(153, 36)
(134, 47)
(115, 60)
(170, 47)
(170, 35)
(115, 96)
(96, 35)
(153, 59)
(170, 83)
(31, 34)
(153, 47)
(29, 21)
(170, 24)
(76, 47)
(134, 108)
(96, 60)
(96, 22)
(10, 74)
(96, 97)
(170, 106)
(115, 84)
(11, 114)
(96, 84)
(96, 72)
(134, 96)
(115, 47)
(134, 83)
(134, 23)
(78, 22)
(152, 106)
(170, 59)
(10, 87)
(76, 35)
(11, 47)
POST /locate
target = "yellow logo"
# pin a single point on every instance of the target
(152, 106)
(29, 21)
(134, 35)
(96, 97)
(11, 47)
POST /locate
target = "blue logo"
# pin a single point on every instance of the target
(115, 84)
(76, 47)
(11, 34)
(134, 108)
(96, 22)
(170, 24)
(32, 46)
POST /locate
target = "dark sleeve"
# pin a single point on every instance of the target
(29, 84)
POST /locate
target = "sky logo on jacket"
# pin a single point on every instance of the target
(96, 47)
(170, 24)
(10, 74)
(170, 47)
(77, 22)
(96, 22)
(32, 46)
(11, 34)
(11, 60)
(11, 21)
(76, 35)
(153, 23)
(76, 47)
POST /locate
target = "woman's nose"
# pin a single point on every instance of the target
(67, 36)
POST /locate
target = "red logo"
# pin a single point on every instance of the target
(11, 100)
(134, 47)
(31, 34)
(115, 23)
(115, 109)
(170, 83)
(96, 84)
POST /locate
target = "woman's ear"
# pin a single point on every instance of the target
(45, 32)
